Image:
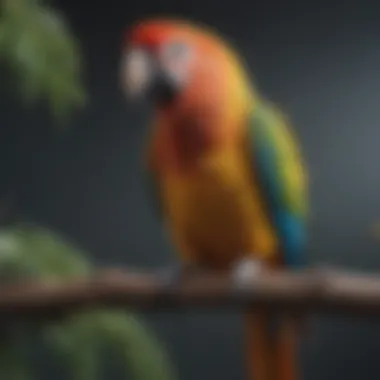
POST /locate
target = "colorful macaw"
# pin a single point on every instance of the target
(224, 168)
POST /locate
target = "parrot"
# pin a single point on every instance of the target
(224, 168)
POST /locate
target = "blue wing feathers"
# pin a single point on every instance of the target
(292, 235)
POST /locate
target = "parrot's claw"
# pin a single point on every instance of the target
(245, 271)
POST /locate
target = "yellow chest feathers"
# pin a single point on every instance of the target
(217, 210)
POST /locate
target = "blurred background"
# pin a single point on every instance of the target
(75, 170)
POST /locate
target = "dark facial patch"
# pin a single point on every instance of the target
(162, 90)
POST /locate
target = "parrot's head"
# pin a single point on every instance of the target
(167, 61)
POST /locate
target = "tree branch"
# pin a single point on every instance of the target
(309, 291)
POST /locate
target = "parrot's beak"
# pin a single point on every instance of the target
(162, 88)
(143, 79)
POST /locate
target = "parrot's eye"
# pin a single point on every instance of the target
(175, 50)
(176, 58)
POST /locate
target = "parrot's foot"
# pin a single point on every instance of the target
(245, 271)
(174, 275)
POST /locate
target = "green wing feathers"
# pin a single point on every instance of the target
(278, 166)
(269, 128)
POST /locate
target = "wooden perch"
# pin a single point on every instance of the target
(311, 291)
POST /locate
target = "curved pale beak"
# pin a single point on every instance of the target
(143, 78)
(136, 73)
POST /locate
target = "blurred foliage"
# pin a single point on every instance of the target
(28, 251)
(43, 59)
(38, 50)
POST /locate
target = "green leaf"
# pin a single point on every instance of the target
(42, 54)
(30, 250)
(77, 346)
(79, 339)
(143, 356)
